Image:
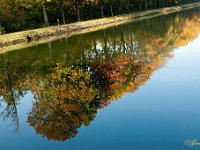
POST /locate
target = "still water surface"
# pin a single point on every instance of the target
(131, 87)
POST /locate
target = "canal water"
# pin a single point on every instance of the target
(134, 86)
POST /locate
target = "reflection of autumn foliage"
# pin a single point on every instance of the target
(12, 89)
(190, 31)
(13, 86)
(74, 84)
(55, 126)
(112, 77)
(126, 72)
(65, 101)
(70, 96)
(70, 83)
(105, 68)
(60, 124)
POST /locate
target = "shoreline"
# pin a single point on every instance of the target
(19, 40)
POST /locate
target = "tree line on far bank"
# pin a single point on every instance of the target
(17, 15)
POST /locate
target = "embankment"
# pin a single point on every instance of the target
(19, 39)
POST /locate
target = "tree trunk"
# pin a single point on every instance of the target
(78, 13)
(140, 5)
(63, 14)
(127, 5)
(163, 3)
(111, 9)
(102, 14)
(170, 3)
(45, 15)
(91, 15)
(155, 5)
(146, 4)
(119, 6)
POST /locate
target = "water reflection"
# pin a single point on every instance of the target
(72, 78)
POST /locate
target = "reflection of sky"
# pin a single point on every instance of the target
(161, 115)
(187, 60)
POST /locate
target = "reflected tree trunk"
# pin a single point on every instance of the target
(123, 47)
(132, 46)
(50, 51)
(113, 34)
(95, 45)
(105, 45)
(16, 118)
(66, 51)
(11, 109)
(94, 42)
(82, 49)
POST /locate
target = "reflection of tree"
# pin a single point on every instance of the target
(70, 96)
(11, 112)
(96, 70)
(65, 101)
(12, 90)
(70, 83)
(61, 123)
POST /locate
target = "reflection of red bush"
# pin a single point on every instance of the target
(103, 103)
